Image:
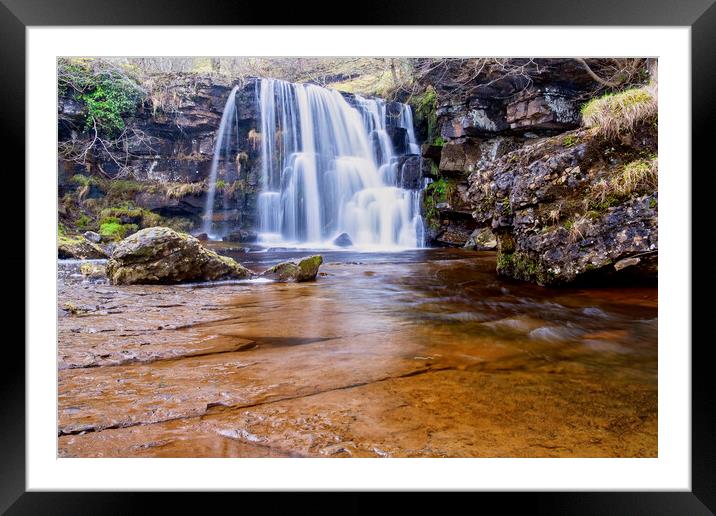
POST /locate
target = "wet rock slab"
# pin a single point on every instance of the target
(432, 358)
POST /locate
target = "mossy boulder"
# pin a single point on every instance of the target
(304, 270)
(78, 248)
(162, 255)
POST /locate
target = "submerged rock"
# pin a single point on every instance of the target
(343, 240)
(241, 235)
(305, 270)
(162, 255)
(78, 248)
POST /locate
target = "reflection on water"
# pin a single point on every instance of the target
(418, 353)
(455, 294)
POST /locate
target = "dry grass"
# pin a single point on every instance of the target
(637, 176)
(578, 228)
(179, 190)
(615, 114)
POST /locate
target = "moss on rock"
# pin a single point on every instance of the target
(162, 255)
(304, 270)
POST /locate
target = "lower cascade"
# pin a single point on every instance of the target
(331, 166)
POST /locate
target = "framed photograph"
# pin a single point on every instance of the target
(419, 252)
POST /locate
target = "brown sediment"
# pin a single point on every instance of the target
(435, 357)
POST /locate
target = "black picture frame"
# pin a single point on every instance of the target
(699, 15)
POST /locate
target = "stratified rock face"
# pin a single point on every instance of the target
(555, 216)
(78, 248)
(304, 270)
(162, 255)
(179, 130)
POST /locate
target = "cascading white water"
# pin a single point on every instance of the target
(226, 127)
(330, 168)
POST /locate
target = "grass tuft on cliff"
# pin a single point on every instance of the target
(637, 176)
(615, 114)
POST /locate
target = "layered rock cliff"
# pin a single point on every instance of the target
(165, 170)
(564, 202)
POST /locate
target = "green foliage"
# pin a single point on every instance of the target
(124, 188)
(127, 213)
(433, 194)
(106, 90)
(426, 112)
(439, 141)
(113, 229)
(83, 221)
(601, 205)
(520, 266)
(438, 189)
(652, 203)
(220, 184)
(570, 140)
(81, 180)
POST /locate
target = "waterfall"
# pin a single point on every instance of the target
(328, 167)
(224, 134)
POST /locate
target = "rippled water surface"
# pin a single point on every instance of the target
(418, 353)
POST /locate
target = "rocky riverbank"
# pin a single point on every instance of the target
(512, 167)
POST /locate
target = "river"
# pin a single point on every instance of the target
(423, 353)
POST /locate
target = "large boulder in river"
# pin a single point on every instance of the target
(162, 255)
(78, 248)
(305, 270)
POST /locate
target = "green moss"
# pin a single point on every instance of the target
(124, 188)
(504, 261)
(220, 184)
(79, 179)
(83, 221)
(425, 107)
(128, 213)
(433, 194)
(570, 140)
(520, 266)
(115, 230)
(599, 205)
(567, 224)
(652, 203)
